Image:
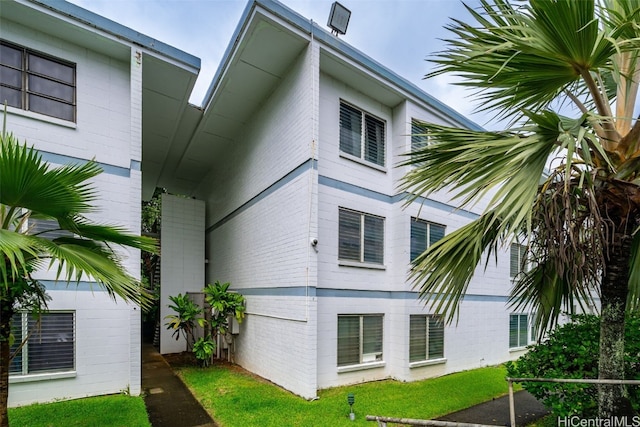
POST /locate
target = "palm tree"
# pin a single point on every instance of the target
(537, 64)
(32, 190)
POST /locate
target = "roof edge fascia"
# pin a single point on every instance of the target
(303, 24)
(119, 31)
(375, 67)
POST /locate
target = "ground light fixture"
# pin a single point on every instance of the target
(351, 400)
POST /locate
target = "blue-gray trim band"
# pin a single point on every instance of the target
(338, 185)
(371, 194)
(301, 291)
(299, 170)
(63, 285)
(61, 159)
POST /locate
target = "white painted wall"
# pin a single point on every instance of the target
(182, 259)
(103, 359)
(481, 336)
(108, 129)
(104, 123)
(268, 180)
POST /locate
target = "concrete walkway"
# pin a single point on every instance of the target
(496, 411)
(169, 402)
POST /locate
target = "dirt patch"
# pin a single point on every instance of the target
(180, 360)
(188, 359)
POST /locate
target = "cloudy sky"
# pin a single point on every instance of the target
(399, 34)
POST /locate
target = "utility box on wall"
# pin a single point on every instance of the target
(234, 325)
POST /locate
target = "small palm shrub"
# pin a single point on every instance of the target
(225, 304)
(203, 350)
(188, 316)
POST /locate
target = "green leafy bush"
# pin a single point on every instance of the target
(224, 304)
(187, 316)
(203, 349)
(571, 351)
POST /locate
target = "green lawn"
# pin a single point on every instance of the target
(237, 399)
(103, 411)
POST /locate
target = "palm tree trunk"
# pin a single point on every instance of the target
(5, 331)
(612, 399)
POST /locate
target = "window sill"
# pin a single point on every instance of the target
(357, 264)
(428, 362)
(363, 162)
(41, 377)
(41, 117)
(517, 349)
(361, 367)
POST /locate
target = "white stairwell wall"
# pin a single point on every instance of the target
(182, 254)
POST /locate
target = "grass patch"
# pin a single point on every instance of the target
(546, 421)
(103, 411)
(235, 398)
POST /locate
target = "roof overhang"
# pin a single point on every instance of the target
(267, 42)
(182, 143)
(168, 74)
(262, 51)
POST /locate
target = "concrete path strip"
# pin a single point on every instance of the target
(169, 402)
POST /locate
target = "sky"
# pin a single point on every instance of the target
(400, 34)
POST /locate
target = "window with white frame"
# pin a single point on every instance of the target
(50, 345)
(360, 237)
(426, 337)
(359, 339)
(423, 235)
(419, 136)
(517, 257)
(518, 330)
(362, 135)
(533, 328)
(37, 82)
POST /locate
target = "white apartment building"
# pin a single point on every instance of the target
(291, 165)
(293, 171)
(75, 84)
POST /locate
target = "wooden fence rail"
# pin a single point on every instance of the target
(382, 422)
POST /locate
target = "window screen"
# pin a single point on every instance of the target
(362, 135)
(50, 346)
(426, 338)
(517, 263)
(518, 330)
(359, 339)
(423, 235)
(360, 237)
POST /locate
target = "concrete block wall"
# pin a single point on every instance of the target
(107, 332)
(102, 353)
(182, 259)
(277, 139)
(264, 252)
(103, 129)
(331, 164)
(261, 215)
(277, 340)
(481, 336)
